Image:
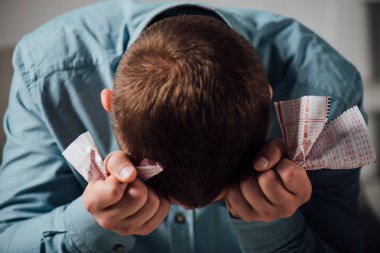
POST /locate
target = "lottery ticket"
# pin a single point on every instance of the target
(84, 156)
(343, 144)
(310, 142)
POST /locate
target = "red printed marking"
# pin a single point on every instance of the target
(282, 123)
(306, 117)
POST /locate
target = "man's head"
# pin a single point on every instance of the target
(191, 93)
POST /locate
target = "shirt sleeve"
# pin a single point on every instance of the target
(299, 63)
(41, 206)
(329, 222)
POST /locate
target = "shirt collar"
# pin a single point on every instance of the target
(142, 18)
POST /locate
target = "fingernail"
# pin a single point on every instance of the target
(126, 172)
(261, 163)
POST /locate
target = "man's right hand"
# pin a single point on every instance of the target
(123, 203)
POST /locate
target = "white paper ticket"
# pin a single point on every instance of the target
(85, 157)
(302, 120)
(342, 144)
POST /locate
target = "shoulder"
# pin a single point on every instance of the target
(298, 61)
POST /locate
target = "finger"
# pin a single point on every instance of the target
(135, 197)
(294, 179)
(146, 211)
(157, 218)
(103, 193)
(251, 191)
(120, 166)
(269, 155)
(237, 204)
(273, 188)
(220, 195)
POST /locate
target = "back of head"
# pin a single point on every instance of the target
(192, 94)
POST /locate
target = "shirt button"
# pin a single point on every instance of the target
(180, 218)
(118, 248)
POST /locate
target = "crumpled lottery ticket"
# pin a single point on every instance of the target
(85, 157)
(342, 144)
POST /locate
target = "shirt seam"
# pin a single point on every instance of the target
(34, 77)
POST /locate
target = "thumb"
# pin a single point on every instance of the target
(120, 166)
(269, 155)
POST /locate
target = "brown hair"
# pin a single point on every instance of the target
(191, 93)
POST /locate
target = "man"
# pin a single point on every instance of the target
(60, 70)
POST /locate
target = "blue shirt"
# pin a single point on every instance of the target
(59, 71)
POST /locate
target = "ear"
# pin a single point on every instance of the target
(270, 91)
(106, 98)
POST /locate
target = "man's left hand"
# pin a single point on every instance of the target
(275, 190)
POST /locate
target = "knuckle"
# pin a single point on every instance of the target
(233, 190)
(153, 199)
(89, 206)
(156, 204)
(306, 191)
(266, 178)
(114, 192)
(146, 230)
(287, 171)
(139, 195)
(265, 213)
(289, 175)
(288, 211)
(274, 213)
(166, 205)
(245, 183)
(106, 223)
(163, 207)
(125, 231)
(306, 195)
(87, 203)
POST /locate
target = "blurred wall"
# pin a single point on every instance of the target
(5, 79)
(18, 17)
